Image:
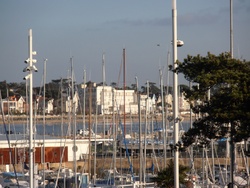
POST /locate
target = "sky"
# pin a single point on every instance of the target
(84, 30)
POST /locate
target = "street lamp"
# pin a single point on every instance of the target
(176, 43)
(179, 43)
(30, 68)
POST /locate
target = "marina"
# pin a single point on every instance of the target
(129, 133)
(56, 143)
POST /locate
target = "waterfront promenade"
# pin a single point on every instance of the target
(50, 119)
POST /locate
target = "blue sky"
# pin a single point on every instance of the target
(84, 29)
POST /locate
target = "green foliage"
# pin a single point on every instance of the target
(13, 88)
(153, 89)
(165, 177)
(229, 82)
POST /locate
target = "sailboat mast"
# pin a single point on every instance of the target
(90, 86)
(95, 145)
(232, 147)
(145, 135)
(167, 91)
(163, 119)
(140, 131)
(114, 132)
(44, 83)
(103, 91)
(74, 119)
(124, 88)
(103, 70)
(84, 99)
(72, 80)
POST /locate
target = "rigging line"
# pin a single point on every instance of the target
(12, 121)
(209, 167)
(223, 180)
(124, 141)
(61, 157)
(7, 137)
(41, 85)
(118, 82)
(80, 106)
(244, 159)
(62, 154)
(40, 91)
(157, 165)
(193, 171)
(127, 153)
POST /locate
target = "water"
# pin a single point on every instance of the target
(59, 129)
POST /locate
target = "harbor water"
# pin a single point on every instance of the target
(61, 129)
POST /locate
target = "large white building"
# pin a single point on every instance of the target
(106, 100)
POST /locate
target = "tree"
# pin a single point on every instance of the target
(153, 89)
(13, 88)
(165, 177)
(227, 111)
(183, 88)
(134, 87)
(114, 84)
(101, 84)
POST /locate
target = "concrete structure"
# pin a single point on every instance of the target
(54, 148)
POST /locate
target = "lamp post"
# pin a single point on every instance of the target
(30, 68)
(176, 43)
(175, 94)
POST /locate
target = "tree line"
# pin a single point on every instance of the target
(55, 87)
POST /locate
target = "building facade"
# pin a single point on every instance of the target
(14, 104)
(107, 100)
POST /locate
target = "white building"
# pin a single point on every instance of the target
(53, 147)
(69, 102)
(183, 103)
(48, 105)
(14, 104)
(147, 103)
(125, 100)
(106, 100)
